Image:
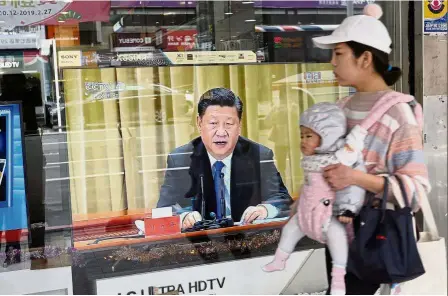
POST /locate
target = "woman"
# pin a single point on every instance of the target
(393, 146)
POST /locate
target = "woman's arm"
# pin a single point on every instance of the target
(404, 160)
(369, 182)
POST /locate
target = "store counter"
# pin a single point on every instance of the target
(118, 238)
(113, 255)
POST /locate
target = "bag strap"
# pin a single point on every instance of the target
(428, 217)
(425, 207)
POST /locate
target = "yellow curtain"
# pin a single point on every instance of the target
(123, 122)
(94, 143)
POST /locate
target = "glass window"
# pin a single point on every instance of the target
(111, 133)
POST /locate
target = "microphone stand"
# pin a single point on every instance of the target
(202, 197)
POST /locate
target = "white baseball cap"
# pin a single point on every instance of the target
(366, 29)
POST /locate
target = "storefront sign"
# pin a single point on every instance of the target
(180, 40)
(136, 59)
(66, 35)
(70, 58)
(288, 42)
(113, 59)
(52, 12)
(239, 277)
(154, 3)
(12, 61)
(19, 41)
(21, 37)
(259, 3)
(142, 59)
(310, 4)
(133, 42)
(13, 212)
(436, 17)
(212, 57)
(89, 59)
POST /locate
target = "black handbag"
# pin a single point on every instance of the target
(384, 250)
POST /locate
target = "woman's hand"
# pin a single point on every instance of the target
(339, 176)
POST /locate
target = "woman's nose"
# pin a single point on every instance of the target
(333, 61)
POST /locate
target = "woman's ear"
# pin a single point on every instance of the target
(367, 59)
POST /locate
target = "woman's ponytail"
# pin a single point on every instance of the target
(391, 76)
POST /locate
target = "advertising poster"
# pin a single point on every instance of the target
(179, 40)
(436, 17)
(52, 12)
(133, 42)
(13, 211)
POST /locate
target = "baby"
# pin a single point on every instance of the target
(321, 212)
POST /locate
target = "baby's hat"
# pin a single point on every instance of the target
(328, 121)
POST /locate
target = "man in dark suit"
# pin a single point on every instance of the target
(241, 171)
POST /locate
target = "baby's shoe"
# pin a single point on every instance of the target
(278, 263)
(338, 281)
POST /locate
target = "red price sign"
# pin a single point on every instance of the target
(162, 226)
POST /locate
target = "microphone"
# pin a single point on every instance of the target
(202, 196)
(222, 200)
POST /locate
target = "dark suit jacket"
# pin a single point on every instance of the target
(254, 179)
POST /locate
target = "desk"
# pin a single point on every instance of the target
(87, 245)
(85, 234)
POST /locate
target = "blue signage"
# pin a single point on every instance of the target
(13, 210)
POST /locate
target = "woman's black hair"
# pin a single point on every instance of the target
(380, 62)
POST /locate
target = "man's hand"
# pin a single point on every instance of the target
(190, 219)
(254, 213)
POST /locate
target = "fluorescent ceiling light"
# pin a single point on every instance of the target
(250, 21)
(228, 13)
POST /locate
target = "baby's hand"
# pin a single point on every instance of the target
(346, 217)
(376, 203)
(345, 220)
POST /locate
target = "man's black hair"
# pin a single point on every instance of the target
(220, 96)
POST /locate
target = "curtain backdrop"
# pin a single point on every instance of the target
(123, 122)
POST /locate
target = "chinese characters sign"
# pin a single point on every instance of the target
(180, 40)
(21, 37)
(52, 12)
(285, 42)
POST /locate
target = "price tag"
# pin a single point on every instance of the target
(162, 226)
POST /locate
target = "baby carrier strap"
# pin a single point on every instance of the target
(384, 104)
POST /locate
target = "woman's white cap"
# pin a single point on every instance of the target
(365, 29)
